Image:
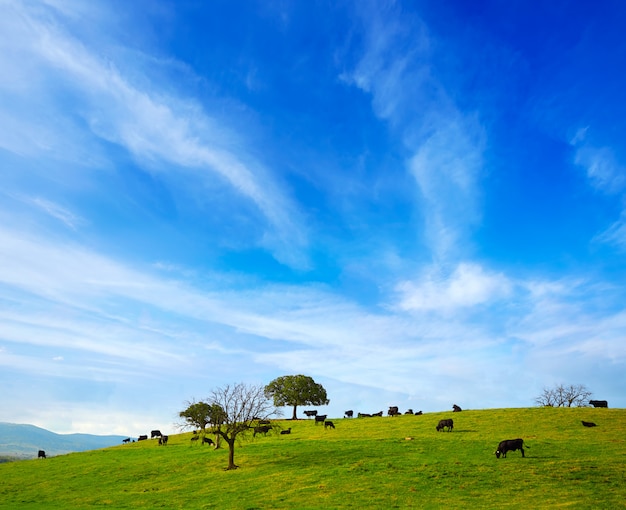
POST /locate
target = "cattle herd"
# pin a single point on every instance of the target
(508, 445)
(264, 426)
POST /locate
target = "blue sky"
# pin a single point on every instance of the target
(415, 203)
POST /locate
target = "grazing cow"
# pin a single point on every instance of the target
(194, 438)
(310, 413)
(142, 438)
(510, 445)
(456, 409)
(409, 411)
(419, 413)
(379, 413)
(286, 431)
(207, 440)
(127, 440)
(443, 424)
(349, 414)
(41, 454)
(329, 424)
(163, 440)
(364, 415)
(393, 411)
(588, 424)
(320, 418)
(155, 433)
(263, 429)
(599, 403)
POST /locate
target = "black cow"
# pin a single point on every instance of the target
(418, 413)
(599, 403)
(41, 454)
(142, 438)
(264, 422)
(207, 440)
(320, 418)
(163, 440)
(263, 429)
(349, 414)
(310, 413)
(364, 415)
(588, 424)
(379, 413)
(194, 438)
(510, 445)
(329, 424)
(155, 433)
(456, 409)
(443, 424)
(393, 411)
(127, 440)
(409, 411)
(286, 431)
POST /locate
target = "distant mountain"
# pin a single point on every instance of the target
(24, 441)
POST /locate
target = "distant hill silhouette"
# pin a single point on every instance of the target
(24, 441)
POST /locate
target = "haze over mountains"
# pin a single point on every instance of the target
(24, 441)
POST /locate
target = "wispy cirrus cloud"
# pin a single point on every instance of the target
(615, 234)
(170, 135)
(606, 174)
(60, 213)
(445, 144)
(602, 168)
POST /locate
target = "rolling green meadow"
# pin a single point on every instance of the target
(400, 462)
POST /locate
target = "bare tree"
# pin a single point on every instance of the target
(574, 395)
(241, 406)
(547, 398)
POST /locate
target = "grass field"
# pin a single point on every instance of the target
(399, 462)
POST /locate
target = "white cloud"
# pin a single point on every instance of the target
(467, 286)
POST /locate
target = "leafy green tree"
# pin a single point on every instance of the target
(296, 390)
(237, 408)
(200, 414)
(197, 414)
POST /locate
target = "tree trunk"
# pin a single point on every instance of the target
(231, 454)
(294, 417)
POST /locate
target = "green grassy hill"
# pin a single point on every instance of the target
(384, 462)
